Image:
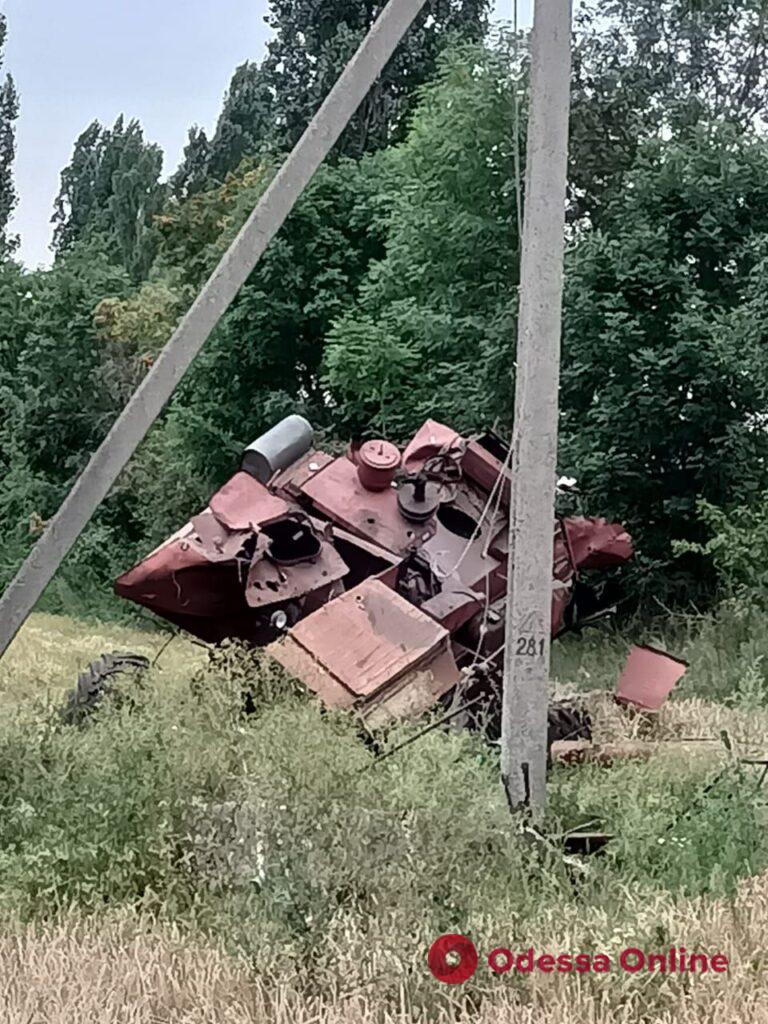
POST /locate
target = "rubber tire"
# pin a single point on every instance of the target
(93, 683)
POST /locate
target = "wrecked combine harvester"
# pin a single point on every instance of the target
(375, 577)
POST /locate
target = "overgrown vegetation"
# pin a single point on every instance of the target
(275, 836)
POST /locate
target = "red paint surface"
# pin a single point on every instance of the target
(649, 677)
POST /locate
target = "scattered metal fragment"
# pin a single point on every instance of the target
(648, 677)
(585, 752)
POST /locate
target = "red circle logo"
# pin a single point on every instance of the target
(464, 956)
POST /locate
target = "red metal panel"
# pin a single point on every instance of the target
(649, 677)
(337, 492)
(415, 693)
(427, 441)
(303, 666)
(217, 542)
(452, 608)
(244, 503)
(483, 469)
(179, 578)
(459, 559)
(369, 637)
(269, 583)
(292, 479)
(597, 544)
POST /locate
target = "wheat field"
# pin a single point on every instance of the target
(129, 972)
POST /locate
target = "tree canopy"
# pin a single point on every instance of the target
(9, 112)
(390, 293)
(111, 187)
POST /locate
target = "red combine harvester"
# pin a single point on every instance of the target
(375, 577)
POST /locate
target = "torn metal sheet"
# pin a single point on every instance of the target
(214, 541)
(243, 504)
(269, 582)
(429, 440)
(383, 637)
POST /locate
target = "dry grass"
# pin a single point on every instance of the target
(51, 650)
(682, 726)
(124, 972)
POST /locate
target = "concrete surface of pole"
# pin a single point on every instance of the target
(145, 405)
(529, 584)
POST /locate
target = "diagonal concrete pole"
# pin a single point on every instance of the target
(142, 410)
(529, 593)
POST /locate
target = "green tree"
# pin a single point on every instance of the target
(192, 174)
(245, 128)
(433, 331)
(268, 105)
(665, 372)
(54, 412)
(313, 42)
(56, 408)
(111, 187)
(264, 359)
(645, 66)
(246, 124)
(18, 312)
(9, 112)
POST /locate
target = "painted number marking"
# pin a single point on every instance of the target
(529, 646)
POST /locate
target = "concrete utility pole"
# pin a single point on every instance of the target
(529, 585)
(142, 410)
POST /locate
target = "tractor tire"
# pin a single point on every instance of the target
(93, 683)
(568, 720)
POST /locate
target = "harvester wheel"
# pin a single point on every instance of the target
(94, 682)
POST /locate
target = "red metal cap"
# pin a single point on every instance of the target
(377, 463)
(379, 455)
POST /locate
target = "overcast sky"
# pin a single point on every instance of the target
(166, 62)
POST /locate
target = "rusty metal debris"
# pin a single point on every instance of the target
(648, 677)
(585, 844)
(585, 752)
(378, 578)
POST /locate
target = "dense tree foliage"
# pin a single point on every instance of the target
(313, 42)
(665, 366)
(111, 187)
(246, 127)
(269, 104)
(647, 66)
(432, 333)
(390, 293)
(9, 111)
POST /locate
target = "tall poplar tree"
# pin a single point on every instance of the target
(111, 187)
(9, 111)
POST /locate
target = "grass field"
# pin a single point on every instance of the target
(175, 861)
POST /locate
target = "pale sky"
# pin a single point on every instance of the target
(165, 62)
